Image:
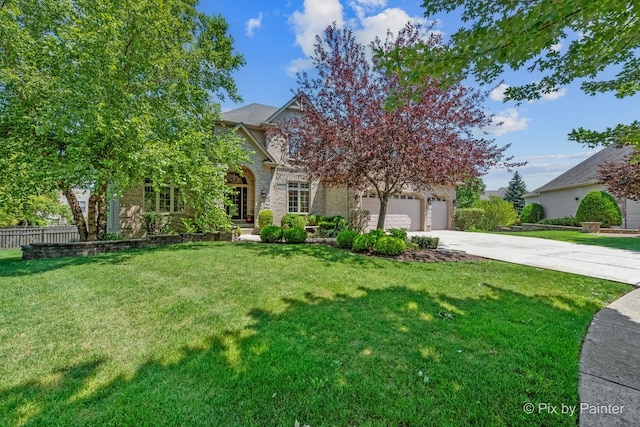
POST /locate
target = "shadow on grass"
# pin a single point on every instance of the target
(390, 357)
(16, 266)
(627, 243)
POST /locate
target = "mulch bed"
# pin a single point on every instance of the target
(438, 255)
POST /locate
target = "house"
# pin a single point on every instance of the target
(269, 181)
(488, 194)
(561, 196)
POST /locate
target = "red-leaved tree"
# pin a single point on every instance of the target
(345, 136)
(622, 178)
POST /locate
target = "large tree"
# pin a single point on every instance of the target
(563, 41)
(622, 178)
(346, 138)
(468, 192)
(106, 94)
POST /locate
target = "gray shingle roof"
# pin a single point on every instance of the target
(252, 114)
(585, 172)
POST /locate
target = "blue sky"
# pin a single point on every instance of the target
(276, 38)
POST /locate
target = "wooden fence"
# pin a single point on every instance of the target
(14, 238)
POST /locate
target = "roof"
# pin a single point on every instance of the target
(497, 193)
(584, 173)
(252, 114)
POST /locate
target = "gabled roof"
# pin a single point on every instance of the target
(256, 145)
(252, 114)
(584, 173)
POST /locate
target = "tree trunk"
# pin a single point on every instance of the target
(92, 226)
(76, 211)
(384, 201)
(101, 211)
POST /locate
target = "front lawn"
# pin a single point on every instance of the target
(253, 334)
(610, 241)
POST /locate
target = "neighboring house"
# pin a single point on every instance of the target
(561, 196)
(500, 192)
(82, 194)
(268, 181)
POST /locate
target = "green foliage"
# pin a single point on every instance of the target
(155, 223)
(312, 220)
(271, 234)
(467, 219)
(345, 239)
(532, 213)
(294, 235)
(400, 233)
(112, 93)
(36, 210)
(425, 242)
(568, 221)
(363, 243)
(391, 246)
(265, 218)
(516, 191)
(469, 193)
(496, 212)
(503, 35)
(293, 220)
(330, 226)
(599, 206)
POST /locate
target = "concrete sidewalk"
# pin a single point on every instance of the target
(609, 379)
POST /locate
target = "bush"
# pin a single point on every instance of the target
(271, 234)
(466, 219)
(531, 213)
(363, 243)
(265, 218)
(293, 220)
(496, 212)
(330, 226)
(359, 219)
(599, 206)
(295, 235)
(345, 239)
(565, 220)
(388, 245)
(398, 233)
(312, 220)
(425, 242)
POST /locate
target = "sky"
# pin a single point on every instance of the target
(276, 38)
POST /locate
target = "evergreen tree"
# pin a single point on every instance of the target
(516, 191)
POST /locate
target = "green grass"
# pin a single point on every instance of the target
(611, 241)
(254, 334)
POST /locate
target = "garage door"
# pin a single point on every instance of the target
(403, 211)
(438, 214)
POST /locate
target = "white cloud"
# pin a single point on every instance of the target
(253, 24)
(555, 94)
(298, 65)
(510, 122)
(316, 15)
(497, 94)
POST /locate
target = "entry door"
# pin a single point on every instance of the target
(238, 208)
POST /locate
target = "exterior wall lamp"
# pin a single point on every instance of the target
(263, 193)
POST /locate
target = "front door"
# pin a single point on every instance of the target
(238, 208)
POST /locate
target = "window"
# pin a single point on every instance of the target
(167, 200)
(83, 206)
(299, 197)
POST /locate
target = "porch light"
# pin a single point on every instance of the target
(263, 193)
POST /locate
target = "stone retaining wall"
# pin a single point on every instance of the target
(74, 249)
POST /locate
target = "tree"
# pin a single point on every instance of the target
(106, 94)
(469, 193)
(36, 210)
(516, 191)
(344, 137)
(517, 34)
(622, 178)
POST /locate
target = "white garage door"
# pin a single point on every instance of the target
(438, 214)
(403, 211)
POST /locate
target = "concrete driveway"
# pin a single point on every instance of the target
(588, 260)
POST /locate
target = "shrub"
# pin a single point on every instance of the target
(358, 219)
(599, 206)
(389, 245)
(312, 220)
(265, 218)
(330, 226)
(295, 235)
(466, 219)
(345, 238)
(531, 213)
(363, 243)
(425, 242)
(496, 212)
(565, 220)
(293, 220)
(271, 234)
(398, 233)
